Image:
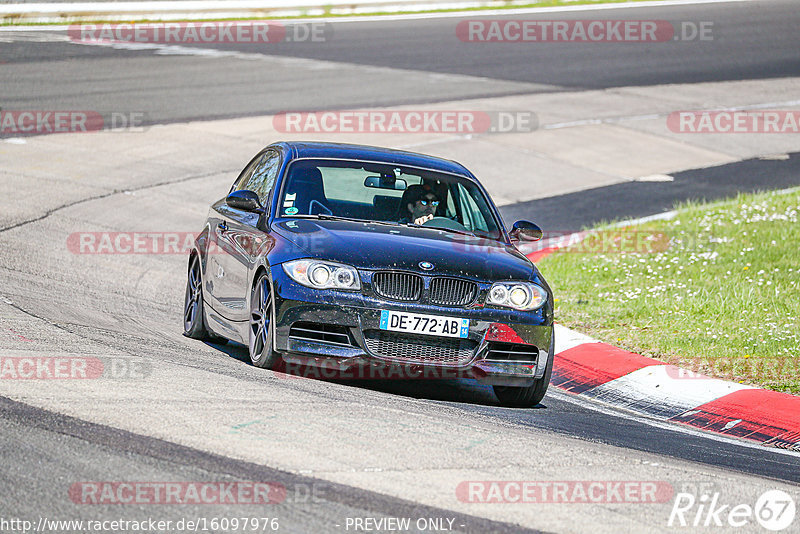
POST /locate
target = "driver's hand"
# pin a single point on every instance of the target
(423, 219)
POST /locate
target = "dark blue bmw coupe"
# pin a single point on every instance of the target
(344, 256)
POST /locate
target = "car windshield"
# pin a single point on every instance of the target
(387, 193)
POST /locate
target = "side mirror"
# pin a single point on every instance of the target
(526, 231)
(244, 200)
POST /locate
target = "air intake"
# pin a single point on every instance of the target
(326, 333)
(513, 352)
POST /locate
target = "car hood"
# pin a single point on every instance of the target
(379, 246)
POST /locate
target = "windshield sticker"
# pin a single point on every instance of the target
(288, 201)
(291, 211)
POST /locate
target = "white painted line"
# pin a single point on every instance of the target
(653, 116)
(608, 120)
(293, 62)
(655, 178)
(764, 105)
(667, 215)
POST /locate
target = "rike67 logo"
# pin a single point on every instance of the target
(774, 510)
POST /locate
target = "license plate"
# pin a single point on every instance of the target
(431, 325)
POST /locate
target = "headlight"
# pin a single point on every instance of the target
(518, 295)
(322, 274)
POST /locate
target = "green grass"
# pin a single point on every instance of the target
(542, 3)
(720, 297)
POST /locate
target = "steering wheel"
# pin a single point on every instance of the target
(444, 222)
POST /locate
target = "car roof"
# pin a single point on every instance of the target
(305, 149)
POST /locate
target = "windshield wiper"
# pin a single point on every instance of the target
(454, 231)
(441, 228)
(327, 217)
(323, 216)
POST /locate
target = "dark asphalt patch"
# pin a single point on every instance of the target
(628, 200)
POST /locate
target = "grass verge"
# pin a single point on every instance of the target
(721, 297)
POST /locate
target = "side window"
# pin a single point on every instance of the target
(245, 175)
(452, 211)
(264, 175)
(260, 175)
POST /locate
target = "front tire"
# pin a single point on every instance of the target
(527, 397)
(260, 345)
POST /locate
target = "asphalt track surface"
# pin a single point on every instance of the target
(310, 505)
(752, 40)
(43, 451)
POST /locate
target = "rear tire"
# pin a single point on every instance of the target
(194, 325)
(527, 397)
(260, 335)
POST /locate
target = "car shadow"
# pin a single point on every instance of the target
(235, 350)
(461, 390)
(457, 390)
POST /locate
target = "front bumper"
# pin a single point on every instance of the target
(358, 315)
